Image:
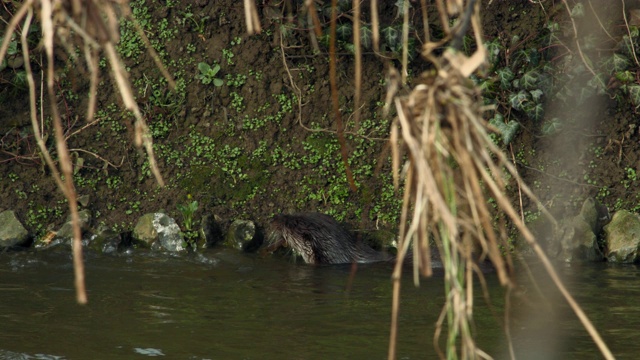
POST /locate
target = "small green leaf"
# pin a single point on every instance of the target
(551, 127)
(585, 94)
(618, 62)
(507, 130)
(517, 100)
(510, 131)
(505, 75)
(217, 82)
(13, 48)
(534, 111)
(634, 94)
(577, 11)
(391, 36)
(625, 77)
(530, 79)
(204, 67)
(365, 37)
(344, 31)
(536, 95)
(214, 70)
(494, 48)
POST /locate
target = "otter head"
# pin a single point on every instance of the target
(316, 237)
(283, 233)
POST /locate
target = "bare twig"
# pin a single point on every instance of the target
(626, 23)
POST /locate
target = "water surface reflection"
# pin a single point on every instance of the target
(223, 305)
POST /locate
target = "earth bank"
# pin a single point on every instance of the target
(264, 142)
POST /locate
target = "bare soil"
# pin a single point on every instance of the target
(278, 163)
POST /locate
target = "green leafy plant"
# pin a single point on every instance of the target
(228, 56)
(208, 74)
(507, 130)
(198, 24)
(187, 210)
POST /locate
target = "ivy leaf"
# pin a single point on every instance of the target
(536, 95)
(625, 77)
(507, 130)
(534, 111)
(349, 47)
(530, 79)
(493, 51)
(585, 94)
(552, 126)
(634, 94)
(517, 100)
(13, 48)
(391, 36)
(344, 5)
(505, 75)
(344, 31)
(400, 6)
(598, 82)
(577, 11)
(617, 63)
(365, 37)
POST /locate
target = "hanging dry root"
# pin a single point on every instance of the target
(452, 172)
(93, 26)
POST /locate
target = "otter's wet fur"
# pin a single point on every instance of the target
(319, 239)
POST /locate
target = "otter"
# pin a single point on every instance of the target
(319, 239)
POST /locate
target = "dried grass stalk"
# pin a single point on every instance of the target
(452, 169)
(93, 26)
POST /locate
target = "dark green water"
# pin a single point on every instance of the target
(223, 305)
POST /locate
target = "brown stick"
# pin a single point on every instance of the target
(334, 98)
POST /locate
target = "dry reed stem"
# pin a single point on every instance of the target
(358, 63)
(405, 41)
(94, 23)
(334, 98)
(626, 23)
(441, 124)
(375, 26)
(575, 36)
(251, 17)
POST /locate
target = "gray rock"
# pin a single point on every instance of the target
(144, 233)
(242, 235)
(158, 231)
(64, 235)
(575, 240)
(12, 232)
(622, 236)
(589, 213)
(105, 241)
(66, 230)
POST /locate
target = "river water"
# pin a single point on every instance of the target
(223, 305)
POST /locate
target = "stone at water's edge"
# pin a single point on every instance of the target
(105, 241)
(157, 230)
(12, 233)
(243, 235)
(66, 231)
(578, 241)
(589, 213)
(623, 237)
(576, 238)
